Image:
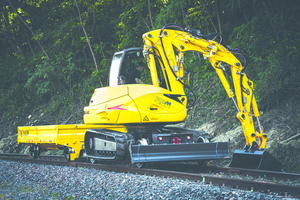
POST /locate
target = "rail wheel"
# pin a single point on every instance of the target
(91, 160)
(81, 153)
(34, 151)
(200, 139)
(67, 155)
(141, 142)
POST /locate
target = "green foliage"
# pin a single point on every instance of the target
(49, 74)
(271, 53)
(47, 61)
(169, 14)
(287, 154)
(134, 21)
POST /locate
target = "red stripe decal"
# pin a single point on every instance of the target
(117, 108)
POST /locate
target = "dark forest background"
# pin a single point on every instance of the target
(54, 53)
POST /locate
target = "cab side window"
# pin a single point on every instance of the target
(160, 75)
(130, 62)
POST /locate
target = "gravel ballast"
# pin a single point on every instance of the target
(38, 181)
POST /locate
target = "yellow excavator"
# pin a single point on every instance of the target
(146, 111)
(132, 118)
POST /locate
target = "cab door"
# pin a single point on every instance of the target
(123, 63)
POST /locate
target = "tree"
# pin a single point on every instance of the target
(89, 43)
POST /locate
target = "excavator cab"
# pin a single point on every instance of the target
(123, 63)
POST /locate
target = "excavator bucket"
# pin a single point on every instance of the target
(259, 160)
(179, 152)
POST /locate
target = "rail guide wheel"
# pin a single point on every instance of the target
(199, 139)
(91, 160)
(91, 145)
(67, 155)
(34, 151)
(143, 141)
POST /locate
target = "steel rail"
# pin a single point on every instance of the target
(26, 156)
(195, 168)
(256, 173)
(260, 186)
(231, 170)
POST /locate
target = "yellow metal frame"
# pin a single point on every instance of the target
(54, 137)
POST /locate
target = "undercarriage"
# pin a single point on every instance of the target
(145, 145)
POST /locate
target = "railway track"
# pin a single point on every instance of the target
(210, 175)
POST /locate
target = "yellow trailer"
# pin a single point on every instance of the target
(69, 138)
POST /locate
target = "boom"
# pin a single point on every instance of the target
(159, 48)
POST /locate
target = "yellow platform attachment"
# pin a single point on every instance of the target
(54, 137)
